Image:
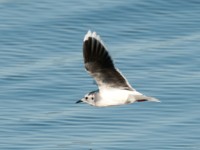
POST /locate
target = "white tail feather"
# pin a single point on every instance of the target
(152, 99)
(140, 98)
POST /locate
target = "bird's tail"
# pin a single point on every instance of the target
(141, 98)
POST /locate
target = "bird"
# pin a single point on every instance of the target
(113, 87)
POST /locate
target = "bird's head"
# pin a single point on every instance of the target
(88, 98)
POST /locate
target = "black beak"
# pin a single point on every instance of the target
(79, 101)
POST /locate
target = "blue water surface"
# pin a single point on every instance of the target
(154, 43)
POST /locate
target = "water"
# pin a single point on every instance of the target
(154, 43)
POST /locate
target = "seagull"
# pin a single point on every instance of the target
(113, 88)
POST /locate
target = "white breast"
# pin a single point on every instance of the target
(109, 97)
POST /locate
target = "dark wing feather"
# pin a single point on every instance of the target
(100, 65)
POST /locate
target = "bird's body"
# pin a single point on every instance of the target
(114, 89)
(113, 96)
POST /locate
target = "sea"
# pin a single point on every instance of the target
(154, 43)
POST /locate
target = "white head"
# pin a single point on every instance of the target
(89, 98)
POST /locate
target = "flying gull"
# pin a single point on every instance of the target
(113, 88)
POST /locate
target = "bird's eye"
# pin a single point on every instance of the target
(86, 97)
(92, 98)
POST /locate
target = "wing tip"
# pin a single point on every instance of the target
(93, 35)
(88, 34)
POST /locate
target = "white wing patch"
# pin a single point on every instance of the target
(93, 35)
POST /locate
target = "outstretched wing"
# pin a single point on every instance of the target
(100, 65)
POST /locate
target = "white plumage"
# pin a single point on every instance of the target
(114, 89)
